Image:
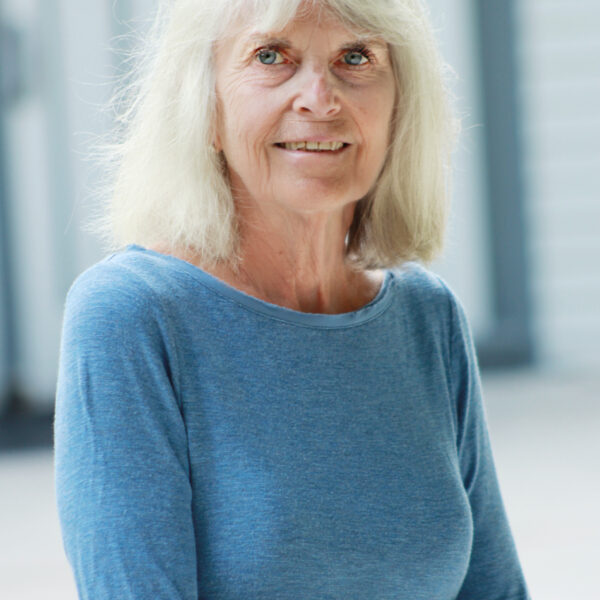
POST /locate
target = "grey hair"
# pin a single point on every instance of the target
(169, 188)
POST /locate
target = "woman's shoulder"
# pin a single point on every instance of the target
(419, 287)
(435, 315)
(132, 270)
(425, 300)
(131, 287)
(115, 277)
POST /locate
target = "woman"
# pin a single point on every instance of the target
(249, 405)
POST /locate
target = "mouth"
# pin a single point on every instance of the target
(312, 146)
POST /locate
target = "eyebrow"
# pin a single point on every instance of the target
(365, 41)
(269, 41)
(285, 44)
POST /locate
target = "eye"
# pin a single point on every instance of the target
(268, 56)
(355, 58)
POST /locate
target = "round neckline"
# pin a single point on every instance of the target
(319, 320)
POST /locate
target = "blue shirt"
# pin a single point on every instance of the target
(213, 446)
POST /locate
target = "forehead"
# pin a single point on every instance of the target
(299, 26)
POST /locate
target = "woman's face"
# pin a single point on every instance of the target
(304, 114)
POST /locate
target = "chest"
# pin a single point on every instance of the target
(326, 478)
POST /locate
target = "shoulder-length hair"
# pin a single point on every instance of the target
(169, 187)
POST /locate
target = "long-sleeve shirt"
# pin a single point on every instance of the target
(213, 446)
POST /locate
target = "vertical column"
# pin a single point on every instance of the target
(8, 87)
(511, 342)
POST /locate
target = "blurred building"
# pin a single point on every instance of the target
(524, 248)
(559, 90)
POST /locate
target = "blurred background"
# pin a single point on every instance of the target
(523, 254)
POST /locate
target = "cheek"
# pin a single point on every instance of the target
(244, 141)
(376, 124)
(248, 105)
(380, 114)
(246, 121)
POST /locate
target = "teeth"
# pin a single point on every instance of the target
(313, 146)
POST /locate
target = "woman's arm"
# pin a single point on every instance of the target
(122, 473)
(494, 571)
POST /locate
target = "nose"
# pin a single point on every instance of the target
(317, 94)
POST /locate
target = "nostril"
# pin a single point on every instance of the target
(317, 95)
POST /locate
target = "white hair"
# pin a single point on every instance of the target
(169, 188)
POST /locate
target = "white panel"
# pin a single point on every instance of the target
(32, 253)
(465, 263)
(89, 70)
(70, 72)
(560, 63)
(48, 140)
(571, 139)
(144, 9)
(33, 256)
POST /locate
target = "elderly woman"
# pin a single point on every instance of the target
(251, 403)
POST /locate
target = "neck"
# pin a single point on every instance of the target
(299, 262)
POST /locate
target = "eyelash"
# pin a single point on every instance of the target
(358, 50)
(361, 50)
(264, 50)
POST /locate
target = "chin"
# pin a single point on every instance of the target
(312, 199)
(322, 191)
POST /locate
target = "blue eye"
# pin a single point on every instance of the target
(269, 57)
(355, 59)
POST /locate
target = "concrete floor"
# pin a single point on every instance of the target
(546, 438)
(546, 435)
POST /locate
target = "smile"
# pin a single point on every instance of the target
(313, 146)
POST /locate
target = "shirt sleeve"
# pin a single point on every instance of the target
(121, 459)
(494, 571)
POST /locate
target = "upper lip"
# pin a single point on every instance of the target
(321, 139)
(313, 138)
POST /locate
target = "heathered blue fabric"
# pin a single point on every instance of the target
(212, 446)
